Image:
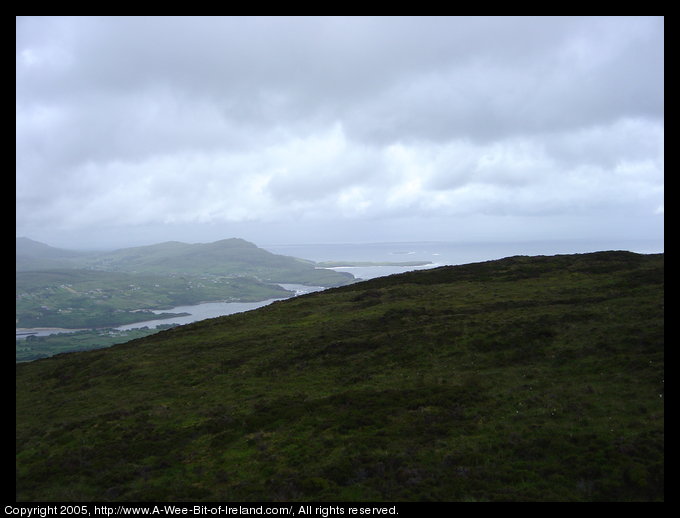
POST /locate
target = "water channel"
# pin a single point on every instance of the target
(195, 312)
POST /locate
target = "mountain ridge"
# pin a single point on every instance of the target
(31, 254)
(232, 256)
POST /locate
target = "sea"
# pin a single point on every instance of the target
(435, 254)
(444, 253)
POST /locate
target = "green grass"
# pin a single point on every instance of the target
(86, 298)
(32, 348)
(524, 379)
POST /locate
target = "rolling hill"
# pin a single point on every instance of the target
(521, 379)
(33, 255)
(226, 257)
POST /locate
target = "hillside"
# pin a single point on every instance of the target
(522, 379)
(226, 257)
(33, 255)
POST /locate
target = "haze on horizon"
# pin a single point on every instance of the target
(279, 130)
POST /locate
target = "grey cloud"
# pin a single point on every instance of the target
(564, 81)
(625, 140)
(386, 78)
(226, 119)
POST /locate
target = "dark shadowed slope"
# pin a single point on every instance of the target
(527, 378)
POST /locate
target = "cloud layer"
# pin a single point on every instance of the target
(142, 122)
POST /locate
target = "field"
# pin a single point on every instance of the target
(88, 299)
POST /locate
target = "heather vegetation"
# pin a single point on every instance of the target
(522, 379)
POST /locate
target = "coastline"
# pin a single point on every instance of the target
(28, 330)
(329, 265)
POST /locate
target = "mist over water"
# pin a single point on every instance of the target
(444, 253)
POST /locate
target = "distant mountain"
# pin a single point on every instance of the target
(33, 255)
(521, 379)
(226, 257)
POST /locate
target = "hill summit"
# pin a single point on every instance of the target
(232, 256)
(34, 255)
(522, 379)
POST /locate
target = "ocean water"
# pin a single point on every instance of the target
(443, 253)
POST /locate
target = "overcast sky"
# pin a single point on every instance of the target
(300, 130)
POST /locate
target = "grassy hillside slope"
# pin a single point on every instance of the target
(527, 378)
(226, 257)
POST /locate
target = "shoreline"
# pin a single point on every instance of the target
(157, 315)
(35, 329)
(329, 265)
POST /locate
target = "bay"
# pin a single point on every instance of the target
(450, 253)
(198, 312)
(215, 309)
(195, 312)
(207, 310)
